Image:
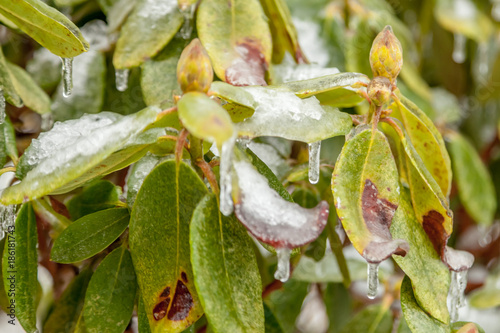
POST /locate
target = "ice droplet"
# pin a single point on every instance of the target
(67, 73)
(121, 79)
(2, 107)
(283, 270)
(226, 156)
(459, 48)
(47, 122)
(456, 293)
(372, 280)
(314, 151)
(187, 27)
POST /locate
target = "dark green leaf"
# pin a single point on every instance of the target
(109, 300)
(143, 322)
(8, 146)
(373, 319)
(226, 275)
(90, 235)
(97, 196)
(271, 323)
(20, 265)
(159, 243)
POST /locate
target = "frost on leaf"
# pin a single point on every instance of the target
(268, 216)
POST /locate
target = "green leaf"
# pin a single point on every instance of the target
(146, 31)
(89, 235)
(31, 94)
(283, 31)
(142, 317)
(118, 13)
(67, 315)
(20, 265)
(286, 303)
(236, 101)
(89, 72)
(81, 145)
(6, 84)
(97, 196)
(339, 306)
(473, 180)
(372, 319)
(8, 146)
(47, 213)
(339, 90)
(205, 118)
(237, 39)
(416, 318)
(366, 193)
(159, 243)
(429, 276)
(46, 25)
(138, 173)
(271, 324)
(109, 300)
(159, 75)
(226, 275)
(465, 327)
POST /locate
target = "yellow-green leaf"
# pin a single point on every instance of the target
(6, 83)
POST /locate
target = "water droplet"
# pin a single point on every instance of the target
(314, 152)
(283, 270)
(67, 72)
(243, 142)
(456, 293)
(2, 107)
(47, 122)
(495, 11)
(459, 48)
(372, 280)
(226, 156)
(187, 27)
(483, 59)
(121, 79)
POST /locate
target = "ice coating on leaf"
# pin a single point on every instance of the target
(268, 216)
(314, 152)
(459, 48)
(47, 122)
(457, 260)
(121, 78)
(96, 33)
(137, 174)
(2, 107)
(187, 27)
(283, 270)
(456, 293)
(7, 218)
(154, 10)
(226, 202)
(372, 280)
(290, 72)
(67, 74)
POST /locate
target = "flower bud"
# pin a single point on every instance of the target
(386, 55)
(379, 90)
(194, 70)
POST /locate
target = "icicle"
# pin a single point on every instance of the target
(459, 48)
(121, 79)
(47, 122)
(456, 293)
(314, 151)
(2, 107)
(483, 59)
(372, 280)
(283, 270)
(187, 27)
(226, 156)
(67, 72)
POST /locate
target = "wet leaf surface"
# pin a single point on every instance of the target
(46, 25)
(20, 265)
(366, 192)
(237, 38)
(89, 235)
(159, 243)
(226, 275)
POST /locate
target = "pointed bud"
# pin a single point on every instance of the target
(194, 70)
(379, 90)
(386, 55)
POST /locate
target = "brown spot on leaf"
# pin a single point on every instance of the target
(181, 303)
(160, 309)
(433, 226)
(377, 212)
(184, 276)
(249, 69)
(166, 292)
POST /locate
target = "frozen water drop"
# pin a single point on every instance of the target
(314, 152)
(47, 122)
(67, 73)
(456, 293)
(121, 79)
(483, 59)
(283, 270)
(243, 142)
(372, 280)
(226, 156)
(2, 107)
(187, 27)
(459, 48)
